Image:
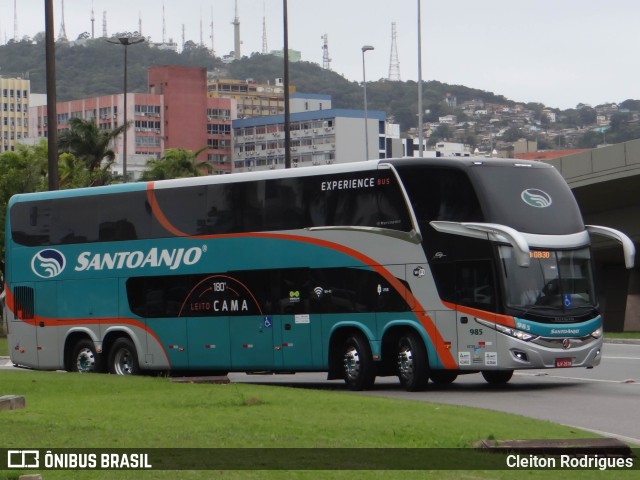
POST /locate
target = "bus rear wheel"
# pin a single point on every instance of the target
(84, 358)
(413, 366)
(123, 358)
(497, 377)
(358, 367)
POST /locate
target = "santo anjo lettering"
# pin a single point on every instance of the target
(172, 258)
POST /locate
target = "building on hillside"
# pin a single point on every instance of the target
(14, 115)
(305, 102)
(253, 99)
(294, 55)
(176, 113)
(318, 137)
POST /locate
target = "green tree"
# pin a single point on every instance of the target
(21, 171)
(175, 163)
(512, 134)
(91, 145)
(72, 172)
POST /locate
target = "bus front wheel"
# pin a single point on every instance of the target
(497, 377)
(358, 367)
(85, 359)
(413, 365)
(443, 377)
(123, 358)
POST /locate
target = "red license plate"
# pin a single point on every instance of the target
(564, 362)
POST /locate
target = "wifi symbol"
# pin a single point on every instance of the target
(318, 291)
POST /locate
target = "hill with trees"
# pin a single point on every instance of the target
(94, 67)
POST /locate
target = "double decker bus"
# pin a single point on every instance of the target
(416, 268)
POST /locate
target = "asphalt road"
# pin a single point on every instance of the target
(605, 399)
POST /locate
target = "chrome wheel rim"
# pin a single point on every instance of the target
(123, 362)
(86, 360)
(405, 362)
(352, 363)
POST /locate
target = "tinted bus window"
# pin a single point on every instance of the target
(30, 223)
(440, 194)
(184, 208)
(534, 199)
(361, 199)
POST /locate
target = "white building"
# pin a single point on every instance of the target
(14, 114)
(318, 137)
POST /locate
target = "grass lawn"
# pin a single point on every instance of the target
(623, 335)
(106, 411)
(4, 348)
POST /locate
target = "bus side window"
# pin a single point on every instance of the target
(474, 284)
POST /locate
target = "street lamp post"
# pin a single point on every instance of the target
(125, 41)
(420, 111)
(365, 48)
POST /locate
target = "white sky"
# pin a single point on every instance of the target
(558, 52)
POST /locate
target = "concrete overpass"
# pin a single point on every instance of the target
(606, 184)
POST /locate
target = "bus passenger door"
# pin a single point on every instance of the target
(296, 318)
(209, 346)
(242, 296)
(476, 298)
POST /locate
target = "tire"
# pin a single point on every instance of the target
(412, 363)
(497, 377)
(84, 358)
(357, 363)
(123, 358)
(443, 377)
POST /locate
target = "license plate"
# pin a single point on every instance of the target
(564, 362)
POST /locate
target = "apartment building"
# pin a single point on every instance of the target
(175, 113)
(14, 115)
(253, 99)
(318, 137)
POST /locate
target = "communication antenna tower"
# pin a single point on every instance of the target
(139, 23)
(394, 63)
(201, 37)
(15, 21)
(93, 22)
(236, 35)
(104, 24)
(164, 26)
(265, 49)
(213, 51)
(326, 60)
(63, 30)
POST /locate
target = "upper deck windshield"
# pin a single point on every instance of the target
(559, 280)
(532, 198)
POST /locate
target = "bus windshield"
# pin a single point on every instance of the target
(555, 280)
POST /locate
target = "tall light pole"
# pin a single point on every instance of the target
(420, 111)
(52, 117)
(287, 111)
(125, 41)
(365, 48)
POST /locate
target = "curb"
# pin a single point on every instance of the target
(623, 341)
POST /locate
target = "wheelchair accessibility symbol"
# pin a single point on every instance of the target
(267, 322)
(567, 300)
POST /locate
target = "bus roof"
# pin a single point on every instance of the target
(459, 162)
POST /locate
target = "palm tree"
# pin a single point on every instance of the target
(73, 173)
(89, 143)
(175, 163)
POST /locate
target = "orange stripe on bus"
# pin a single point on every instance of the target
(420, 312)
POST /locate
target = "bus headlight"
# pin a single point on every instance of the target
(597, 333)
(512, 332)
